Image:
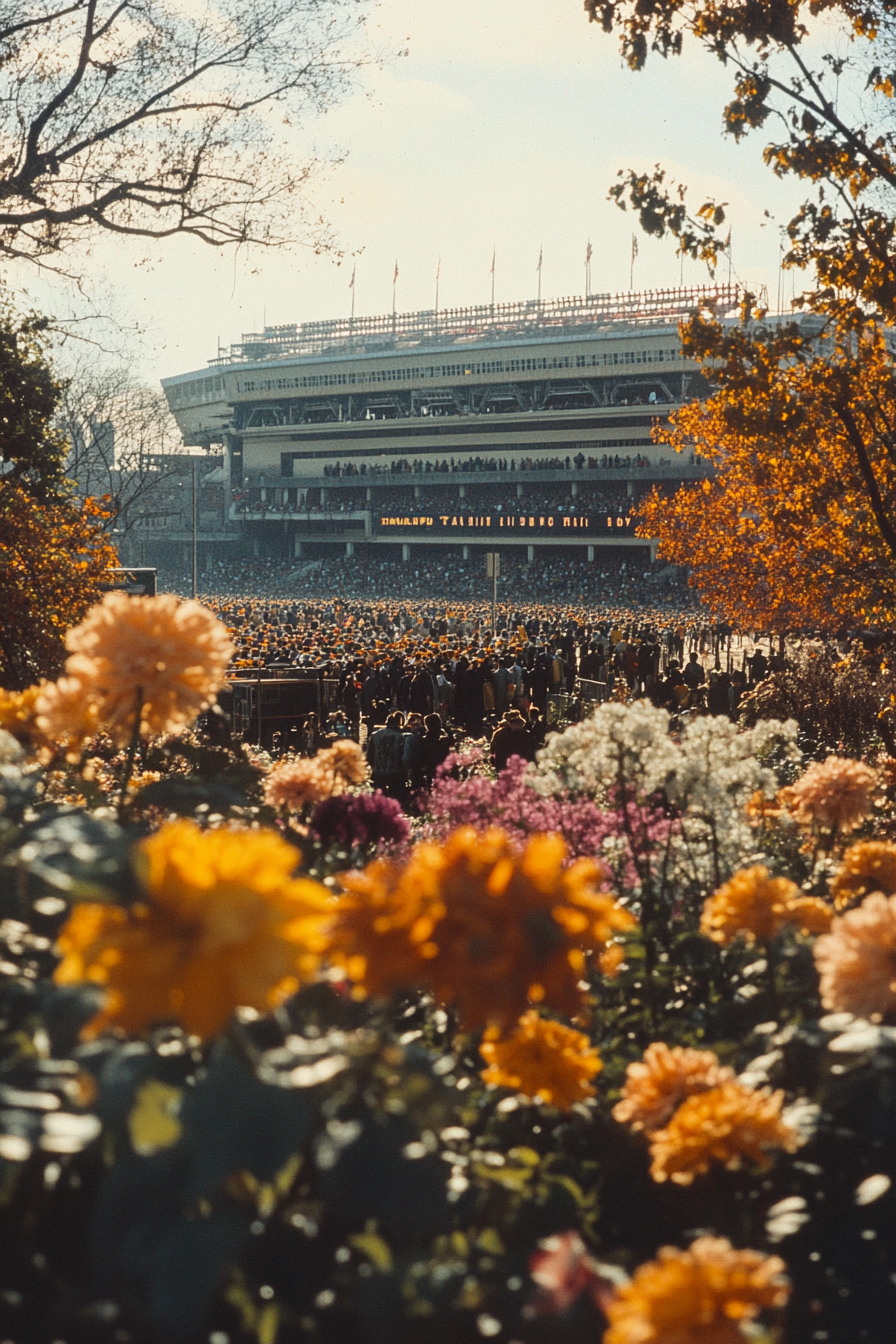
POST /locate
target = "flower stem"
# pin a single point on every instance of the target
(132, 752)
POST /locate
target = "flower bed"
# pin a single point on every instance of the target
(603, 1048)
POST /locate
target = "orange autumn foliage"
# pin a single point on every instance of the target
(54, 556)
(795, 527)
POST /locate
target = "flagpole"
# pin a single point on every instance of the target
(394, 283)
(493, 278)
(352, 288)
(588, 271)
(729, 258)
(538, 268)
(438, 273)
(631, 274)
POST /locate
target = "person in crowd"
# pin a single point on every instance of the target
(386, 756)
(511, 738)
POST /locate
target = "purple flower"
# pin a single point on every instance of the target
(510, 802)
(354, 822)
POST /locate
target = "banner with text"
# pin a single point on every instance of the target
(498, 525)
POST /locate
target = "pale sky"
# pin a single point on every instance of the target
(503, 128)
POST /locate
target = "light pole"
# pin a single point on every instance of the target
(193, 513)
(492, 570)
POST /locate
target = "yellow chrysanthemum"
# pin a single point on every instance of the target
(224, 924)
(486, 928)
(657, 1085)
(171, 655)
(697, 1296)
(543, 1060)
(727, 1124)
(753, 905)
(856, 961)
(865, 867)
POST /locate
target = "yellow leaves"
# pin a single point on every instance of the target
(152, 1122)
(371, 1244)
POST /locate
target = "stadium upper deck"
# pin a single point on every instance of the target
(307, 413)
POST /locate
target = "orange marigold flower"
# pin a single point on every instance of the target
(727, 1124)
(697, 1296)
(658, 1084)
(856, 961)
(224, 924)
(172, 654)
(836, 794)
(483, 926)
(753, 905)
(542, 1059)
(868, 866)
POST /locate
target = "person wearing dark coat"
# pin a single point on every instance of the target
(511, 738)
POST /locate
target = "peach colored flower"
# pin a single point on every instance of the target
(658, 1084)
(347, 761)
(753, 905)
(836, 794)
(697, 1296)
(868, 866)
(856, 961)
(542, 1059)
(295, 782)
(727, 1124)
(170, 655)
(67, 715)
(223, 924)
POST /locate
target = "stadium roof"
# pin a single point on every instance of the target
(531, 317)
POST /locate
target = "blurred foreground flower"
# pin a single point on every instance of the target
(727, 1124)
(562, 1270)
(295, 782)
(836, 794)
(543, 1060)
(485, 927)
(657, 1085)
(753, 905)
(224, 924)
(699, 1296)
(367, 819)
(169, 656)
(856, 961)
(868, 866)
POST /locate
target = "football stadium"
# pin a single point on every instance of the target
(523, 425)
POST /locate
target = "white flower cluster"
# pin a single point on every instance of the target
(619, 747)
(709, 775)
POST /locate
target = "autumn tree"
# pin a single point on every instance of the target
(53, 549)
(796, 525)
(148, 118)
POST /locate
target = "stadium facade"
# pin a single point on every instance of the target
(514, 425)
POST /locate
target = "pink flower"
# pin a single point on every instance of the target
(563, 1270)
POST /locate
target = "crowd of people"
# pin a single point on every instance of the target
(610, 497)
(615, 579)
(411, 678)
(425, 466)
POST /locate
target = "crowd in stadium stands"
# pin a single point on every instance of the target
(613, 579)
(611, 497)
(426, 466)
